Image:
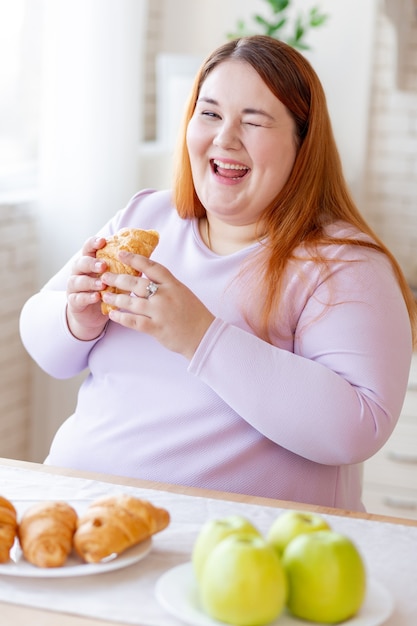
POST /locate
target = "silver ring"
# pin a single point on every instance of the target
(151, 290)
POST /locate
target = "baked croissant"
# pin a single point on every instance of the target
(133, 240)
(112, 524)
(46, 532)
(8, 528)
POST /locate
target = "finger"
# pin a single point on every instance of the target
(141, 323)
(130, 304)
(125, 282)
(93, 244)
(83, 284)
(153, 270)
(89, 265)
(137, 285)
(81, 300)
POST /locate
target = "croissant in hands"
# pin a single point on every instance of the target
(8, 528)
(133, 240)
(46, 532)
(112, 524)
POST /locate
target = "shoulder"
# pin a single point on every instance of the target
(341, 246)
(343, 255)
(152, 196)
(336, 270)
(146, 209)
(343, 242)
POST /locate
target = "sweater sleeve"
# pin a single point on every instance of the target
(46, 337)
(43, 323)
(337, 396)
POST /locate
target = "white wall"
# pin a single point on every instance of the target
(342, 55)
(91, 112)
(391, 177)
(18, 253)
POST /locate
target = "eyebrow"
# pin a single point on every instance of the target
(248, 110)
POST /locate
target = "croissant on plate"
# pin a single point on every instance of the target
(8, 528)
(46, 532)
(112, 524)
(133, 240)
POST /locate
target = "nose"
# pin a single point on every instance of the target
(227, 137)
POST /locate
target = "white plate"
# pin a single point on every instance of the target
(74, 566)
(176, 591)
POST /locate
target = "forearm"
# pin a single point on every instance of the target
(47, 338)
(297, 402)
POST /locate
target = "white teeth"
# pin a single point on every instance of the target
(229, 166)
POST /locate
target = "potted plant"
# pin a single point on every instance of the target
(284, 24)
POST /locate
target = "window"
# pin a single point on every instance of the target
(20, 84)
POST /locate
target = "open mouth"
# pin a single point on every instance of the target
(233, 171)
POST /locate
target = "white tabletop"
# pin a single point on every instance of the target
(126, 596)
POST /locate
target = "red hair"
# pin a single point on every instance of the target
(315, 194)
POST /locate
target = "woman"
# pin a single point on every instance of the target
(273, 357)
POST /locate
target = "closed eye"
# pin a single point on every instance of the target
(210, 114)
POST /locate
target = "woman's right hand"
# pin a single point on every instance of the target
(84, 317)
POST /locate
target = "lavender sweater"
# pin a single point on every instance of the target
(293, 420)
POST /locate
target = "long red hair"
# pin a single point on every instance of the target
(315, 194)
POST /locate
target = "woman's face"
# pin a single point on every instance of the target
(242, 143)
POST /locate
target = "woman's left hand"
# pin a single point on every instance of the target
(173, 314)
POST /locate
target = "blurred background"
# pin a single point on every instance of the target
(91, 93)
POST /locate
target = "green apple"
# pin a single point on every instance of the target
(326, 577)
(214, 531)
(243, 582)
(291, 524)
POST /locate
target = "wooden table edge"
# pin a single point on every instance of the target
(202, 493)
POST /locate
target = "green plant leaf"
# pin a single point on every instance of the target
(280, 24)
(300, 25)
(317, 18)
(262, 21)
(269, 27)
(278, 5)
(299, 45)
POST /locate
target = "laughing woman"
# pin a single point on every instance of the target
(272, 358)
